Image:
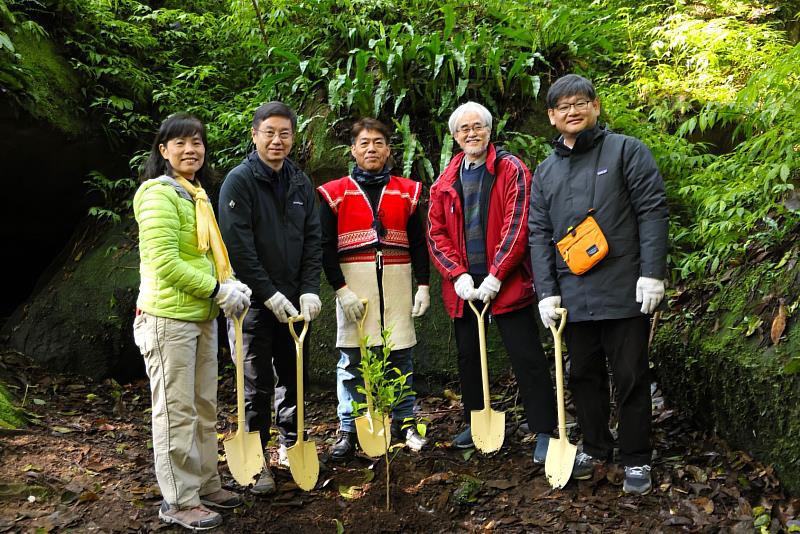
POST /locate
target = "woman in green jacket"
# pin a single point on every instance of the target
(185, 279)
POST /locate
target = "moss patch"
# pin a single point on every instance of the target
(10, 416)
(715, 359)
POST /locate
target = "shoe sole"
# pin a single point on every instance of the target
(645, 492)
(259, 492)
(587, 476)
(173, 521)
(223, 506)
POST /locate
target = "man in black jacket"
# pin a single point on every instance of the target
(609, 305)
(270, 224)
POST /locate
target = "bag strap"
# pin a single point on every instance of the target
(594, 174)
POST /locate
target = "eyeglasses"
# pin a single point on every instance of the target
(477, 128)
(284, 135)
(580, 105)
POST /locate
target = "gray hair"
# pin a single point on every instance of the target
(455, 117)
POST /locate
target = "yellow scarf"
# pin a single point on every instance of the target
(208, 235)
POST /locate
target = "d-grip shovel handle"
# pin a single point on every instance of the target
(557, 332)
(297, 319)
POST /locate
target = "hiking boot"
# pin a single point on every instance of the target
(222, 498)
(637, 480)
(283, 455)
(265, 483)
(406, 431)
(463, 440)
(540, 452)
(195, 518)
(345, 446)
(583, 468)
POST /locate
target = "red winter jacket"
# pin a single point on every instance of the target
(505, 220)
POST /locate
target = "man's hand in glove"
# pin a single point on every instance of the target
(488, 288)
(279, 305)
(649, 291)
(547, 310)
(422, 301)
(352, 307)
(465, 287)
(310, 306)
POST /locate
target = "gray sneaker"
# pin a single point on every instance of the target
(463, 440)
(196, 518)
(540, 451)
(637, 480)
(583, 468)
(265, 483)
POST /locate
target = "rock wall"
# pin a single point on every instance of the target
(716, 360)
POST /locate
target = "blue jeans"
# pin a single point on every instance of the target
(348, 377)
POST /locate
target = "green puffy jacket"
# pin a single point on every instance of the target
(176, 278)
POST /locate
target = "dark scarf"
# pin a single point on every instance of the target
(367, 178)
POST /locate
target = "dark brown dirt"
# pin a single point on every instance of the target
(85, 466)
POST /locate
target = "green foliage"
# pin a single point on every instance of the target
(115, 195)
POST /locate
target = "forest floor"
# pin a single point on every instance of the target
(85, 466)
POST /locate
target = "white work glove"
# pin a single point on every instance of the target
(422, 301)
(547, 310)
(352, 307)
(281, 307)
(488, 289)
(465, 287)
(241, 286)
(231, 299)
(649, 291)
(310, 305)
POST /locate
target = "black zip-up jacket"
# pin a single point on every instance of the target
(630, 207)
(274, 243)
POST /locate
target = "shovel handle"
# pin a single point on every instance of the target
(479, 314)
(557, 332)
(297, 319)
(484, 357)
(368, 395)
(237, 329)
(562, 415)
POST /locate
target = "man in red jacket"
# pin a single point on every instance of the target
(478, 240)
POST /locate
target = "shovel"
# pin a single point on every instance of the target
(560, 452)
(303, 461)
(372, 435)
(243, 451)
(488, 426)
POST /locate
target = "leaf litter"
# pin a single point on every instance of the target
(98, 476)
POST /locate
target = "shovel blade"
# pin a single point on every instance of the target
(245, 456)
(488, 429)
(304, 464)
(559, 462)
(372, 437)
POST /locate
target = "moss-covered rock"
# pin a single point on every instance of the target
(716, 360)
(10, 416)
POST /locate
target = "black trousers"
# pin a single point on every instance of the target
(624, 343)
(520, 336)
(270, 368)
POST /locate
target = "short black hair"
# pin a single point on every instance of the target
(174, 126)
(274, 109)
(569, 85)
(368, 123)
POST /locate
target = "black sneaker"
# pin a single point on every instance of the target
(637, 480)
(583, 468)
(345, 446)
(406, 431)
